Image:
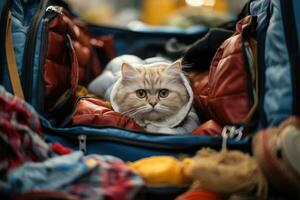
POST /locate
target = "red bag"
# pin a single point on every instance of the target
(225, 94)
(71, 59)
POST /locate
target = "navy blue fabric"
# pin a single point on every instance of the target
(22, 12)
(21, 17)
(38, 62)
(296, 7)
(126, 39)
(130, 146)
(2, 4)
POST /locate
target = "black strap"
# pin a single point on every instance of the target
(292, 41)
(3, 20)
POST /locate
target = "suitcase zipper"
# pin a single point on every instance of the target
(261, 38)
(29, 50)
(82, 143)
(248, 59)
(55, 9)
(51, 12)
(231, 132)
(214, 142)
(4, 16)
(83, 138)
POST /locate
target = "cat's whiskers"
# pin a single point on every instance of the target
(140, 111)
(135, 111)
(164, 109)
(129, 111)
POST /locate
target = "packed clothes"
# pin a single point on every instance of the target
(242, 80)
(20, 133)
(30, 164)
(88, 177)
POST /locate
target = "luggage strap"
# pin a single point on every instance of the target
(11, 60)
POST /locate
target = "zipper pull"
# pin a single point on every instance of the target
(82, 143)
(226, 132)
(231, 132)
(237, 134)
(56, 9)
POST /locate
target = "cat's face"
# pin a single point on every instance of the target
(151, 93)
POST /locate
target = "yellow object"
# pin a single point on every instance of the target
(186, 163)
(221, 6)
(81, 91)
(161, 170)
(11, 60)
(155, 12)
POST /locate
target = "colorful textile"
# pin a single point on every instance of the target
(29, 164)
(88, 177)
(109, 176)
(20, 132)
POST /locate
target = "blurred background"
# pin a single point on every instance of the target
(135, 14)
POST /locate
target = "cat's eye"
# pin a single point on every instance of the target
(141, 93)
(163, 93)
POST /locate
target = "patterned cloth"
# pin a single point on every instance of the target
(87, 177)
(110, 177)
(20, 132)
(28, 163)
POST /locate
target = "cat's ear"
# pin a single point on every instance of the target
(175, 67)
(128, 71)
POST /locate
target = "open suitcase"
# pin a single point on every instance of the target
(34, 24)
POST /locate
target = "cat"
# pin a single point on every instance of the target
(157, 96)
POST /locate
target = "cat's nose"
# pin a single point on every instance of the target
(153, 104)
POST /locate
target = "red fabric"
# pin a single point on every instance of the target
(108, 45)
(208, 128)
(103, 48)
(61, 65)
(199, 195)
(223, 94)
(60, 149)
(20, 132)
(71, 60)
(91, 111)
